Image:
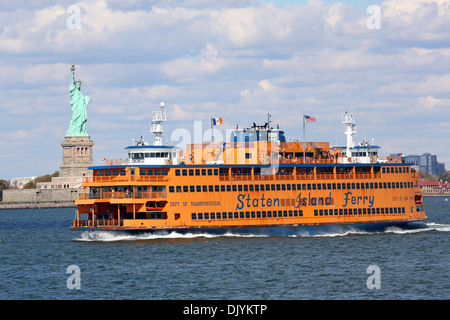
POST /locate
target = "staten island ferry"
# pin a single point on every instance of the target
(256, 182)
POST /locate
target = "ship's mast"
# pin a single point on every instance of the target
(350, 130)
(156, 124)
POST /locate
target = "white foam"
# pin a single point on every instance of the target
(111, 236)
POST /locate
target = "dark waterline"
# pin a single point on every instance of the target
(37, 247)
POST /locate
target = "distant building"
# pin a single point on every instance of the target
(426, 163)
(18, 183)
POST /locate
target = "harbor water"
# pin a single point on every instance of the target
(41, 259)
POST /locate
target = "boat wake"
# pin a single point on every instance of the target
(111, 236)
(116, 236)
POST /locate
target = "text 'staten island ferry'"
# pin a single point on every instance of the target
(257, 182)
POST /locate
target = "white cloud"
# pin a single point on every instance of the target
(236, 59)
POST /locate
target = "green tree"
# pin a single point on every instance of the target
(445, 176)
(3, 185)
(44, 178)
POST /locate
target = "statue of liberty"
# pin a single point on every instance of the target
(79, 102)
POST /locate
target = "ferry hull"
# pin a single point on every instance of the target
(274, 230)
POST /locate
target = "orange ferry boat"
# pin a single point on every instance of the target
(257, 182)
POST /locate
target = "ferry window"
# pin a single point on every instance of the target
(353, 186)
(300, 213)
(390, 210)
(216, 188)
(149, 172)
(205, 188)
(395, 210)
(197, 172)
(213, 215)
(290, 213)
(191, 172)
(256, 187)
(184, 172)
(325, 212)
(222, 188)
(383, 170)
(253, 214)
(329, 186)
(299, 187)
(269, 214)
(211, 188)
(178, 188)
(407, 170)
(397, 185)
(345, 212)
(206, 215)
(376, 185)
(100, 173)
(264, 214)
(157, 172)
(247, 214)
(403, 210)
(191, 188)
(324, 186)
(219, 215)
(185, 189)
(339, 186)
(321, 212)
(288, 187)
(142, 172)
(261, 187)
(240, 187)
(280, 213)
(258, 214)
(309, 186)
(171, 189)
(245, 187)
(216, 172)
(177, 172)
(250, 187)
(272, 187)
(315, 212)
(348, 185)
(241, 215)
(200, 215)
(234, 187)
(199, 188)
(115, 172)
(228, 188)
(364, 210)
(319, 187)
(203, 172)
(248, 155)
(396, 169)
(193, 216)
(209, 172)
(278, 187)
(293, 186)
(340, 212)
(267, 187)
(165, 172)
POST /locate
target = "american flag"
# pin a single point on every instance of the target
(310, 119)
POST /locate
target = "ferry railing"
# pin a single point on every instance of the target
(96, 223)
(125, 178)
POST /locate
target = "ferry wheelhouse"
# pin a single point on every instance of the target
(255, 182)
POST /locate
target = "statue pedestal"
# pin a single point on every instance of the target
(77, 157)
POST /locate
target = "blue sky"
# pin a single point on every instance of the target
(235, 59)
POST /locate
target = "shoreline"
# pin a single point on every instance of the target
(37, 205)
